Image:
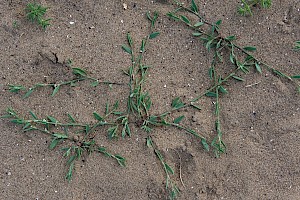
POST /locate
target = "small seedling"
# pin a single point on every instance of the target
(35, 13)
(245, 8)
(15, 24)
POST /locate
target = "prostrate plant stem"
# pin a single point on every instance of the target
(216, 42)
(78, 142)
(80, 75)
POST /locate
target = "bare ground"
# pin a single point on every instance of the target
(260, 123)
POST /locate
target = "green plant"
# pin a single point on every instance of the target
(80, 137)
(240, 57)
(35, 13)
(15, 24)
(80, 75)
(297, 45)
(77, 137)
(245, 8)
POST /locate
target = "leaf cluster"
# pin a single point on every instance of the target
(35, 13)
(245, 8)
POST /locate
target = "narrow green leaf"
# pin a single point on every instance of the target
(194, 7)
(126, 49)
(208, 45)
(54, 143)
(198, 24)
(196, 34)
(112, 132)
(129, 39)
(158, 154)
(106, 108)
(97, 116)
(28, 93)
(16, 88)
(70, 172)
(142, 49)
(195, 106)
(238, 78)
(223, 90)
(173, 16)
(220, 57)
(169, 169)
(60, 136)
(116, 105)
(71, 159)
(257, 67)
(56, 88)
(211, 94)
(178, 119)
(149, 142)
(211, 72)
(249, 48)
(177, 103)
(219, 22)
(153, 35)
(185, 19)
(27, 125)
(123, 133)
(232, 58)
(71, 118)
(279, 73)
(204, 144)
(120, 160)
(128, 130)
(33, 115)
(95, 83)
(52, 119)
(231, 38)
(296, 76)
(148, 15)
(79, 72)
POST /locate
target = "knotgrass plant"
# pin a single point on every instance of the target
(79, 137)
(238, 56)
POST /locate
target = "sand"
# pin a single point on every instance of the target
(260, 123)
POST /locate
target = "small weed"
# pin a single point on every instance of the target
(15, 24)
(35, 13)
(245, 8)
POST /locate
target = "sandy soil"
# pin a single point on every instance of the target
(261, 123)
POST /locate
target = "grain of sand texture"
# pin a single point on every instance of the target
(260, 124)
